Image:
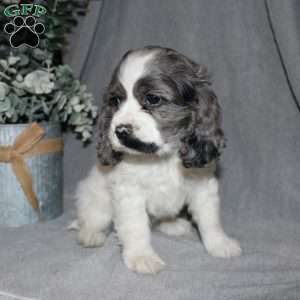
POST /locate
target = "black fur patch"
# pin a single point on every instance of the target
(136, 144)
(198, 153)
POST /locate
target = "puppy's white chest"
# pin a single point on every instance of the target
(161, 186)
(166, 196)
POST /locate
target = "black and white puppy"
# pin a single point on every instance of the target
(159, 136)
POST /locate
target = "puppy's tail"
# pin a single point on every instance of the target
(74, 225)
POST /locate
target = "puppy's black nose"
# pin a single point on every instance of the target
(124, 130)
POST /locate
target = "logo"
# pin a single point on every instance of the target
(24, 28)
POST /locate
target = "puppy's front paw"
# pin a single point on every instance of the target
(223, 246)
(90, 238)
(144, 263)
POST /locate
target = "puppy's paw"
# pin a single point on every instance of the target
(144, 263)
(90, 238)
(223, 246)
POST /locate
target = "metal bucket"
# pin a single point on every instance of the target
(47, 177)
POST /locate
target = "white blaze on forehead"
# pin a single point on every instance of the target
(144, 126)
(132, 69)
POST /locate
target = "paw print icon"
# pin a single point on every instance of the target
(24, 31)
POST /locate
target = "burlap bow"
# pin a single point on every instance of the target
(28, 143)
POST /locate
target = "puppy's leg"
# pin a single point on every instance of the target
(204, 206)
(133, 228)
(94, 209)
(175, 227)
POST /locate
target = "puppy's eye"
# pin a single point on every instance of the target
(115, 101)
(152, 99)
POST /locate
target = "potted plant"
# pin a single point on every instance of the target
(52, 98)
(39, 97)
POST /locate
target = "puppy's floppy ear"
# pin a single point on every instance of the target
(204, 137)
(106, 155)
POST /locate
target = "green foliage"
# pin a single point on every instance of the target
(34, 83)
(44, 94)
(60, 21)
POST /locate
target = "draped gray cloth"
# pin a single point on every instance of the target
(252, 49)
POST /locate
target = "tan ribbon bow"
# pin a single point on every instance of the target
(28, 143)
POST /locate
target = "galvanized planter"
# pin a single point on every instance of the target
(47, 177)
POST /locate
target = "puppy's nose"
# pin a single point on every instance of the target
(123, 130)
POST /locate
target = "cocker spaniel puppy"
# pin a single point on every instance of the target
(159, 137)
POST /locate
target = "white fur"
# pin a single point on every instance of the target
(94, 209)
(145, 187)
(176, 227)
(139, 187)
(132, 69)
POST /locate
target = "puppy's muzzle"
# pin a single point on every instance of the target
(126, 136)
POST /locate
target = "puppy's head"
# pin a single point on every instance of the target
(159, 102)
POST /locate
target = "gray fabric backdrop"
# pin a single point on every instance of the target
(252, 49)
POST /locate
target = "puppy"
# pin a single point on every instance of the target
(159, 137)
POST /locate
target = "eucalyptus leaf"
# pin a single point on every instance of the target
(24, 60)
(14, 99)
(12, 70)
(4, 89)
(86, 135)
(9, 113)
(74, 100)
(13, 60)
(78, 107)
(62, 102)
(4, 64)
(40, 54)
(19, 78)
(5, 105)
(76, 119)
(4, 76)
